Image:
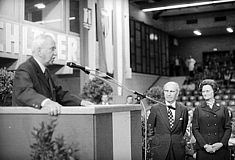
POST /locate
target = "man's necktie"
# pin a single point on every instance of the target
(170, 116)
(47, 75)
(50, 83)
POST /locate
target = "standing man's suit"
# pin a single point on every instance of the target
(31, 87)
(168, 140)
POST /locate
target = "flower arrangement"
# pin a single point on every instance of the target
(155, 93)
(94, 89)
(6, 83)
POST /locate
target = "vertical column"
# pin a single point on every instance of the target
(126, 40)
(92, 44)
(83, 41)
(118, 42)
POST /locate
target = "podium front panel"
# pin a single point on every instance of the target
(99, 132)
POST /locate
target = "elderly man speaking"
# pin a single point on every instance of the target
(33, 85)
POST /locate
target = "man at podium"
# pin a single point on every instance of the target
(33, 85)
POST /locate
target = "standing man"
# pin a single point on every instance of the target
(167, 123)
(33, 85)
(177, 66)
(191, 65)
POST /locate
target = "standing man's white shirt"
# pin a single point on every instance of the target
(191, 63)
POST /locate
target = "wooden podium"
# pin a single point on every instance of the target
(102, 132)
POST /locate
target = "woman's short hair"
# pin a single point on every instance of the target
(210, 82)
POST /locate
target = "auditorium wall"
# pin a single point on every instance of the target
(195, 46)
(18, 28)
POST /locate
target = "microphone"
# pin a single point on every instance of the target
(88, 70)
(84, 69)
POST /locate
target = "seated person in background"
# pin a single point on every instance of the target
(206, 73)
(189, 85)
(233, 77)
(106, 99)
(129, 99)
(33, 85)
(227, 77)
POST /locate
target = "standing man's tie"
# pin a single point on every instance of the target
(170, 116)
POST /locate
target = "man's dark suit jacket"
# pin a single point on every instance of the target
(30, 87)
(164, 136)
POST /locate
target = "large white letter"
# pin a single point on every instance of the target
(12, 38)
(73, 50)
(26, 50)
(61, 47)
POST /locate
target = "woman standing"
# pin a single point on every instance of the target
(211, 125)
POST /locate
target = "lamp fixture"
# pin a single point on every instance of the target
(72, 18)
(40, 5)
(185, 5)
(153, 36)
(197, 32)
(229, 29)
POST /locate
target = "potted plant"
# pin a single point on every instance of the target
(94, 89)
(155, 93)
(6, 83)
(46, 147)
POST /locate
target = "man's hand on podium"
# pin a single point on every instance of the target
(54, 108)
(86, 103)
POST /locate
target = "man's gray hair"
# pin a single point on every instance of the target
(39, 40)
(173, 83)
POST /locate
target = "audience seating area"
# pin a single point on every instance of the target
(213, 66)
(193, 98)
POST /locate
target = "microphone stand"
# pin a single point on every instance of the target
(123, 86)
(134, 92)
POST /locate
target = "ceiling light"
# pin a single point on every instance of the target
(197, 32)
(186, 5)
(49, 21)
(229, 29)
(72, 18)
(155, 37)
(40, 5)
(151, 36)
